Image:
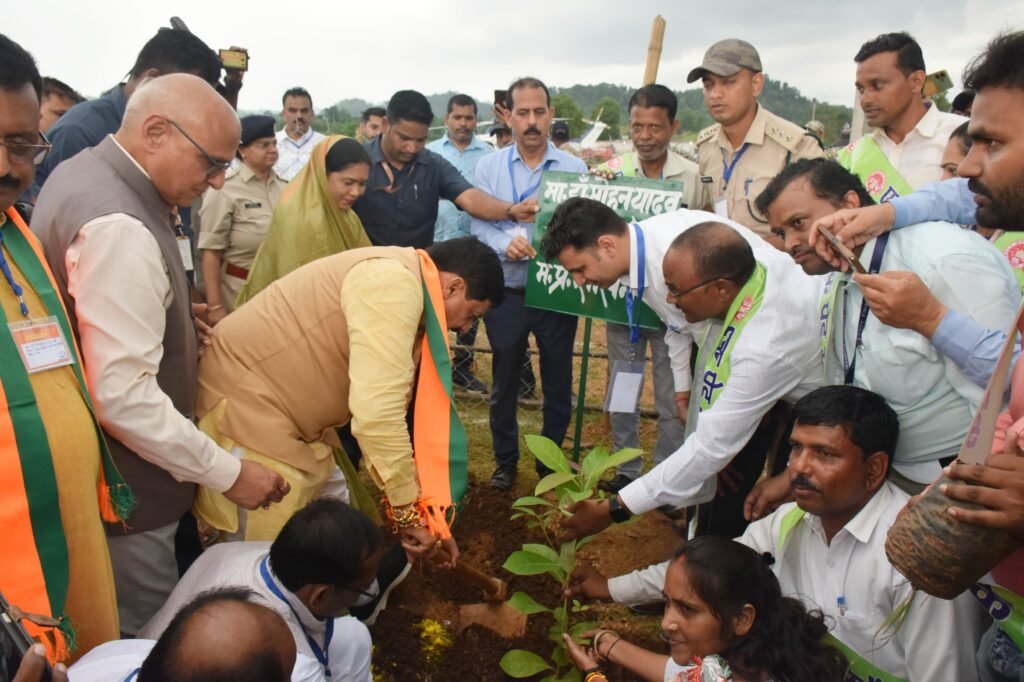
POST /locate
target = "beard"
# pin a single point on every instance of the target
(1005, 210)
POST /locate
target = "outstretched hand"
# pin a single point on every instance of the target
(589, 517)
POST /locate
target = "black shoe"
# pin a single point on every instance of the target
(503, 478)
(394, 567)
(616, 484)
(466, 380)
(543, 470)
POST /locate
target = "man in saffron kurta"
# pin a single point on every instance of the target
(55, 560)
(339, 340)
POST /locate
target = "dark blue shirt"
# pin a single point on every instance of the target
(405, 216)
(83, 126)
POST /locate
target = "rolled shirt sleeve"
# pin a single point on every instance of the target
(451, 182)
(216, 216)
(118, 280)
(383, 306)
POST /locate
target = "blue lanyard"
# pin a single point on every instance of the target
(132, 675)
(321, 654)
(727, 172)
(9, 276)
(516, 196)
(631, 312)
(876, 263)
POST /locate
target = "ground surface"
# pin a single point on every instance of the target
(415, 638)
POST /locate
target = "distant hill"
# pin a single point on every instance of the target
(778, 97)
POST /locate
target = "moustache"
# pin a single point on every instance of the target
(975, 186)
(801, 481)
(10, 181)
(531, 129)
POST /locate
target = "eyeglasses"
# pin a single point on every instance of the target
(25, 152)
(679, 294)
(364, 593)
(216, 167)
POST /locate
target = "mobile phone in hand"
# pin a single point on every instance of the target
(841, 250)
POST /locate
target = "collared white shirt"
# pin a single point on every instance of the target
(933, 398)
(119, 661)
(777, 357)
(237, 564)
(918, 156)
(936, 642)
(292, 155)
(120, 284)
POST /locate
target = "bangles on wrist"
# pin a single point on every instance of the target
(405, 517)
(593, 675)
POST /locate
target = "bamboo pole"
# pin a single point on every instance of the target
(654, 51)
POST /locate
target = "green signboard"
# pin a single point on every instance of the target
(550, 286)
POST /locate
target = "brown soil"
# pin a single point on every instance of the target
(486, 537)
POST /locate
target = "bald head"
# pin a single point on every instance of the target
(718, 251)
(181, 131)
(222, 636)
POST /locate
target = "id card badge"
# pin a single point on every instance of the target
(722, 207)
(624, 387)
(41, 344)
(185, 249)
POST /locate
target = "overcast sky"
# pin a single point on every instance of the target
(370, 49)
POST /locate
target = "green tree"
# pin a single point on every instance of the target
(607, 110)
(566, 107)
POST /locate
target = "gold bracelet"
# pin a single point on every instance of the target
(596, 675)
(211, 308)
(410, 517)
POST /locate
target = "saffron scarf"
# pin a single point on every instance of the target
(34, 546)
(439, 439)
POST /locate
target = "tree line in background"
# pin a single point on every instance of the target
(582, 103)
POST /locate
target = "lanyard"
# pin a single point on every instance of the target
(727, 169)
(516, 196)
(132, 675)
(631, 313)
(9, 276)
(876, 263)
(391, 189)
(321, 654)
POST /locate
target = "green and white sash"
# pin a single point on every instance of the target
(865, 159)
(1012, 246)
(718, 366)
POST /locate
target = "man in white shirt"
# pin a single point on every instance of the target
(222, 634)
(296, 140)
(106, 220)
(829, 547)
(323, 562)
(904, 148)
(910, 368)
(758, 358)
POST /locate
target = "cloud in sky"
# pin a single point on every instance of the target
(369, 50)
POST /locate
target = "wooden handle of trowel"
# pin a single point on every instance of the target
(494, 588)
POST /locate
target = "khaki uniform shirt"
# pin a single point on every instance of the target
(235, 220)
(772, 143)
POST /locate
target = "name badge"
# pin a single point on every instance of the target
(185, 249)
(253, 204)
(41, 344)
(722, 207)
(624, 387)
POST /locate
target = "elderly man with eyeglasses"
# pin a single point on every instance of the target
(107, 221)
(751, 310)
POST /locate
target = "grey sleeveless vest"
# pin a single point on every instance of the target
(97, 182)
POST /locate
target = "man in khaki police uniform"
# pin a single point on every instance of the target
(748, 145)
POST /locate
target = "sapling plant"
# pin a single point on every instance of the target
(553, 496)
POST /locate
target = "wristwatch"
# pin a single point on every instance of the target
(618, 511)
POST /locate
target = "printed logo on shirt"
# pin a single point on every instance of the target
(875, 182)
(1015, 254)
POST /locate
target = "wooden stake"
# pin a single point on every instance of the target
(654, 51)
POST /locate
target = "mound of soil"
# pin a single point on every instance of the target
(486, 537)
